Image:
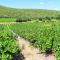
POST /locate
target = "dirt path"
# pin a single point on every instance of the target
(31, 53)
(28, 51)
(7, 22)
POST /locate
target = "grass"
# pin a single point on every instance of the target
(7, 19)
(40, 34)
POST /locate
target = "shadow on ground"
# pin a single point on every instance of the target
(18, 57)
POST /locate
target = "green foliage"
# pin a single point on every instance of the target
(7, 19)
(41, 34)
(8, 46)
(29, 13)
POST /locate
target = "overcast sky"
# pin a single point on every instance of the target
(34, 4)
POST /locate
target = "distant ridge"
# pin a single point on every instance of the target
(14, 12)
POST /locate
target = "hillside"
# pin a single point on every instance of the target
(35, 36)
(29, 13)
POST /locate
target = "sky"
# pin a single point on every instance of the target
(32, 4)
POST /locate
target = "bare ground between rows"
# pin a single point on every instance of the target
(28, 51)
(31, 53)
(7, 22)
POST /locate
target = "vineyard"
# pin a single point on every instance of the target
(8, 47)
(41, 34)
(39, 27)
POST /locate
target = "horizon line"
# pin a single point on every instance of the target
(30, 8)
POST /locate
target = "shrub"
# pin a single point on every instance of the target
(48, 18)
(22, 20)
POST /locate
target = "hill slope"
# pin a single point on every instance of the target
(30, 13)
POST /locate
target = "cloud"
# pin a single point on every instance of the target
(41, 3)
